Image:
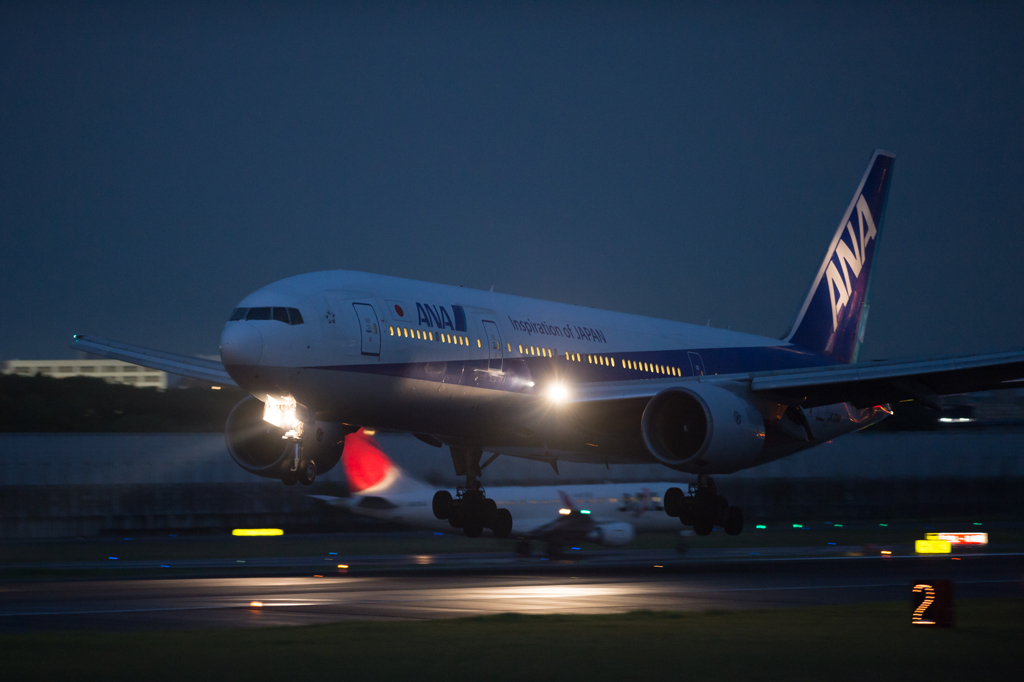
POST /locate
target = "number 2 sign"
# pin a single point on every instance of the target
(932, 601)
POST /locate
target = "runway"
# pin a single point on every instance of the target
(565, 587)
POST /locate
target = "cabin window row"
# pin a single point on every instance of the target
(441, 337)
(606, 361)
(534, 350)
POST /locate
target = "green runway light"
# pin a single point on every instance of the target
(884, 524)
(838, 525)
(762, 527)
(797, 525)
(977, 523)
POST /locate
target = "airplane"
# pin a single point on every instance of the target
(609, 514)
(325, 353)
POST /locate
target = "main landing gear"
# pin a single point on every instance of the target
(703, 508)
(470, 509)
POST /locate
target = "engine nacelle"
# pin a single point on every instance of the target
(259, 447)
(612, 534)
(702, 429)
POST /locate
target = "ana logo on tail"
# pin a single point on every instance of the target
(847, 260)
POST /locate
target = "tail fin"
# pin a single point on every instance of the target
(832, 319)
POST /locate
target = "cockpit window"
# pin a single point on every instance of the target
(286, 315)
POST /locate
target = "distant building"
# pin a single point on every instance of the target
(111, 371)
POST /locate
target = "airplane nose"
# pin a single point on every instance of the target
(240, 344)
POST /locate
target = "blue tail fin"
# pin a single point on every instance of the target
(832, 319)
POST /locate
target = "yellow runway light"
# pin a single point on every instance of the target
(932, 547)
(256, 532)
(256, 604)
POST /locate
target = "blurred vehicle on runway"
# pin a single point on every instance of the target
(559, 516)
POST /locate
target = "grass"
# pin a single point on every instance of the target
(861, 642)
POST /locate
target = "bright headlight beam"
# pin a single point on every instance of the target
(558, 393)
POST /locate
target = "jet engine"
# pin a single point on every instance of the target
(260, 448)
(702, 429)
(612, 534)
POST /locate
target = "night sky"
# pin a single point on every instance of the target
(688, 161)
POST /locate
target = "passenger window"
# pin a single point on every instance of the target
(521, 349)
(281, 315)
(431, 335)
(258, 314)
(392, 330)
(238, 314)
(296, 315)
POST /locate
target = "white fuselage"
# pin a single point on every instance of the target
(472, 367)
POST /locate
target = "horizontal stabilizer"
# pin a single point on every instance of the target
(185, 365)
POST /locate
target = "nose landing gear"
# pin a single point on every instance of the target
(470, 509)
(302, 470)
(703, 508)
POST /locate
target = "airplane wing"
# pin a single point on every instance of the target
(863, 384)
(886, 382)
(185, 365)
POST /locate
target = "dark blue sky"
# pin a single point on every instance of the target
(160, 161)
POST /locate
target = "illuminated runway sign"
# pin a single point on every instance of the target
(932, 603)
(959, 538)
(932, 547)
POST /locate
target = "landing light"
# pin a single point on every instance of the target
(281, 413)
(565, 512)
(954, 420)
(558, 393)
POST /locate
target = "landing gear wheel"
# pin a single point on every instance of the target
(686, 510)
(289, 478)
(490, 512)
(672, 501)
(441, 504)
(473, 531)
(720, 510)
(703, 527)
(523, 547)
(502, 525)
(307, 473)
(734, 521)
(455, 515)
